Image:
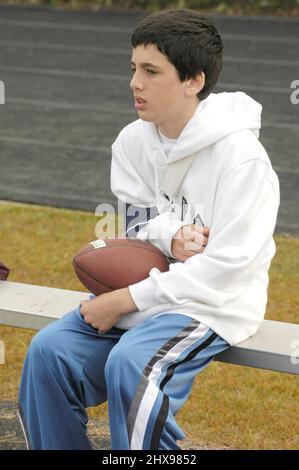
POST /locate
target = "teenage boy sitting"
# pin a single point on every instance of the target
(195, 157)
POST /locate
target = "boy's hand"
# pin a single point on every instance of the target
(189, 240)
(104, 311)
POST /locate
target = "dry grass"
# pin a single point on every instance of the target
(233, 406)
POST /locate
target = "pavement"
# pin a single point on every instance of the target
(66, 76)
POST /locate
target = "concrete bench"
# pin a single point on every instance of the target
(274, 347)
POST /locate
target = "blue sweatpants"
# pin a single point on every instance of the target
(145, 374)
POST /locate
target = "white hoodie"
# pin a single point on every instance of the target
(231, 187)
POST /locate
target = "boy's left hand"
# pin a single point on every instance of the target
(104, 311)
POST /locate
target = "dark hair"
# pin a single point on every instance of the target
(190, 42)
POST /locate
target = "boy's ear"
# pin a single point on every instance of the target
(195, 85)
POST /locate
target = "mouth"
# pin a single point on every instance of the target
(140, 103)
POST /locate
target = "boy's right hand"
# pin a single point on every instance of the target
(189, 240)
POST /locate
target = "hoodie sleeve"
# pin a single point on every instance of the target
(143, 223)
(160, 230)
(128, 185)
(245, 213)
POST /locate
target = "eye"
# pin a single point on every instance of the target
(133, 70)
(151, 72)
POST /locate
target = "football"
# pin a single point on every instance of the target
(104, 265)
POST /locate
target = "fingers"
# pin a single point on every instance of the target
(195, 246)
(102, 332)
(189, 231)
(197, 229)
(188, 254)
(187, 250)
(204, 230)
(196, 238)
(190, 240)
(81, 309)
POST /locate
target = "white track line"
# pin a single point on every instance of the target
(280, 125)
(247, 87)
(126, 78)
(43, 194)
(70, 26)
(25, 141)
(66, 47)
(254, 18)
(126, 52)
(114, 110)
(15, 140)
(79, 107)
(257, 61)
(64, 73)
(260, 38)
(117, 29)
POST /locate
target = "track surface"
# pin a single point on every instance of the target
(67, 96)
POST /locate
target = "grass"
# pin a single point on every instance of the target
(233, 406)
(227, 7)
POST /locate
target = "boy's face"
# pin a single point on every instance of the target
(156, 81)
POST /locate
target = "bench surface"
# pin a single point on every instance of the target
(273, 347)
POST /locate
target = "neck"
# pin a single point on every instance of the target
(173, 127)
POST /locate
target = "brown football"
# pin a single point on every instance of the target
(108, 264)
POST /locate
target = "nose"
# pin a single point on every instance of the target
(135, 83)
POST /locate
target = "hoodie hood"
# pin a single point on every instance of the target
(216, 117)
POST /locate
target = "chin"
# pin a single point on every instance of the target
(146, 118)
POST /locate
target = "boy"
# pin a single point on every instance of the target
(196, 158)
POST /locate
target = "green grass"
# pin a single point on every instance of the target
(228, 7)
(233, 406)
